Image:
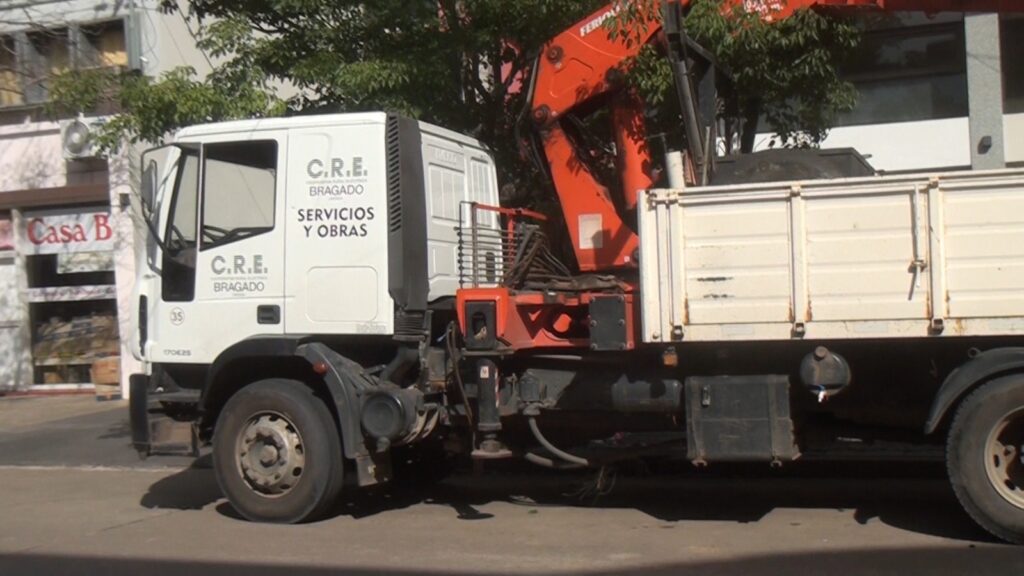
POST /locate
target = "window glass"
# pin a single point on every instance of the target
(29, 60)
(6, 231)
(239, 180)
(908, 52)
(182, 230)
(51, 48)
(46, 56)
(10, 90)
(178, 273)
(1012, 40)
(909, 100)
(103, 45)
(905, 74)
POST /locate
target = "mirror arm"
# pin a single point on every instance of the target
(156, 236)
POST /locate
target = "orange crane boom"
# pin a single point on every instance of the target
(582, 68)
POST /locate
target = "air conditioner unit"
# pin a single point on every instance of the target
(77, 138)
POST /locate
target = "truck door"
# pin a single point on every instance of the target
(222, 272)
(337, 230)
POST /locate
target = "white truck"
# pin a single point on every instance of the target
(340, 295)
(274, 247)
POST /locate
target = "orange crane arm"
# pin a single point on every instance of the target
(582, 68)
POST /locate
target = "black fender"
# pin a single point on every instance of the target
(981, 368)
(254, 347)
(345, 380)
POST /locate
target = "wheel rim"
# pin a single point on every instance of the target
(1004, 457)
(271, 455)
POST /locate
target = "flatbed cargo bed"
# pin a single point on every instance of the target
(910, 256)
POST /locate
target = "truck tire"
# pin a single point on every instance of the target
(984, 457)
(277, 453)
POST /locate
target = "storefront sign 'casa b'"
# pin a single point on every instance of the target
(63, 231)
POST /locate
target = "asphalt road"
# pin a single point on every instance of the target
(74, 499)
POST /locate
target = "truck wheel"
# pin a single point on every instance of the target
(985, 457)
(277, 453)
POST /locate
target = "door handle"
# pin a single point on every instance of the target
(268, 314)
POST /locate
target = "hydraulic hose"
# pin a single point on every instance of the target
(549, 463)
(552, 448)
(569, 461)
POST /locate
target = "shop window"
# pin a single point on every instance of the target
(909, 69)
(70, 289)
(178, 273)
(69, 337)
(238, 191)
(1012, 48)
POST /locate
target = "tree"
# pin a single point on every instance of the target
(784, 71)
(452, 62)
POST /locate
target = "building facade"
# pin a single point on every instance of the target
(937, 92)
(66, 233)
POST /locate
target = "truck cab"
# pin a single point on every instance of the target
(320, 225)
(314, 256)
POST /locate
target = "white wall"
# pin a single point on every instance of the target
(15, 355)
(913, 146)
(905, 146)
(1013, 135)
(124, 179)
(168, 41)
(30, 156)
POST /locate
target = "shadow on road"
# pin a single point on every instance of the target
(192, 488)
(120, 429)
(881, 562)
(919, 502)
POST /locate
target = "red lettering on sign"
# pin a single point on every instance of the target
(103, 229)
(33, 237)
(55, 233)
(70, 234)
(40, 233)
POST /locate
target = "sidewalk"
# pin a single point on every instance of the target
(71, 431)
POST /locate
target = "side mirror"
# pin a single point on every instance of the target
(149, 185)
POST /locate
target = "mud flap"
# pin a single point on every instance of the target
(153, 432)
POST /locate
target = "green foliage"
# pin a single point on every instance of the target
(431, 59)
(153, 107)
(789, 68)
(438, 60)
(786, 71)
